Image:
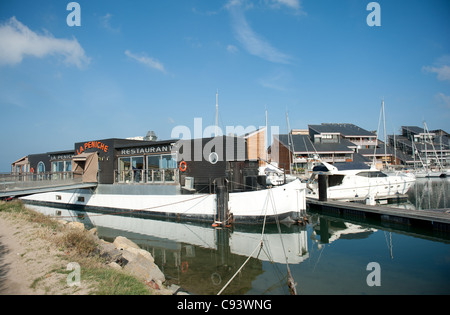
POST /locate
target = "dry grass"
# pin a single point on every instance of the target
(71, 244)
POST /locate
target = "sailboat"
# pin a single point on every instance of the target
(426, 171)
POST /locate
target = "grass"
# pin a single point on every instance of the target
(80, 246)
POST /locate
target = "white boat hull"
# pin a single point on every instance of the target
(357, 188)
(246, 207)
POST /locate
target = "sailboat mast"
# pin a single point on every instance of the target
(266, 140)
(217, 113)
(384, 133)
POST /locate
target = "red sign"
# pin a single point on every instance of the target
(93, 144)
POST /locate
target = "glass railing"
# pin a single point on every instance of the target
(154, 176)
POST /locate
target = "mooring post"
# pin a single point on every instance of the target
(323, 187)
(222, 200)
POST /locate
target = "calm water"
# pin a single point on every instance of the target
(328, 256)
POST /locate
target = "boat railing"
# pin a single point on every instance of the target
(151, 176)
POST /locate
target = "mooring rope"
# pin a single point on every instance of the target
(260, 246)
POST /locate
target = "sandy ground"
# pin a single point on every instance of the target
(30, 265)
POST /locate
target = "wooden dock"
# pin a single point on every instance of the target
(437, 220)
(42, 189)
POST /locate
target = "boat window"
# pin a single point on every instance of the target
(371, 174)
(335, 180)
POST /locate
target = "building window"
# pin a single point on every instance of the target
(161, 168)
(61, 166)
(131, 169)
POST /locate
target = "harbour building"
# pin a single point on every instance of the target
(416, 147)
(333, 143)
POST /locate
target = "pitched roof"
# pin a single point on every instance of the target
(303, 144)
(344, 129)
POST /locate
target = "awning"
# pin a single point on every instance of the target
(82, 157)
(21, 161)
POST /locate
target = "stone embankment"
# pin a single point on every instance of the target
(124, 254)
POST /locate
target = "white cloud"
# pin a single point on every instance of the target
(147, 61)
(106, 23)
(17, 41)
(443, 72)
(254, 43)
(291, 4)
(232, 49)
(444, 99)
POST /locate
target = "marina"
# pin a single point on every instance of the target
(218, 218)
(329, 255)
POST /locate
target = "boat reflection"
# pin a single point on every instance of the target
(199, 258)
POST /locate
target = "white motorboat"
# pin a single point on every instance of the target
(352, 181)
(427, 173)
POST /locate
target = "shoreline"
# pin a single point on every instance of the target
(37, 255)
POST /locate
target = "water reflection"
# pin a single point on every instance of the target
(329, 256)
(428, 193)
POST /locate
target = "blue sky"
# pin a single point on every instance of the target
(134, 66)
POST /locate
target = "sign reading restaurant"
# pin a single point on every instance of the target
(148, 150)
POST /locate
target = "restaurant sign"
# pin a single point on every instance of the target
(92, 145)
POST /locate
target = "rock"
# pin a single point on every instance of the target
(109, 252)
(137, 261)
(141, 266)
(142, 252)
(174, 288)
(115, 265)
(62, 221)
(93, 231)
(123, 243)
(76, 225)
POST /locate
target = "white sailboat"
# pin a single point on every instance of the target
(427, 171)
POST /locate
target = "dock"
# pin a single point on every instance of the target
(434, 220)
(38, 190)
(12, 186)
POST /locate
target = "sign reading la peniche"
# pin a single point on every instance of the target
(92, 145)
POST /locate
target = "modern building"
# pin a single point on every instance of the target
(331, 142)
(131, 161)
(417, 146)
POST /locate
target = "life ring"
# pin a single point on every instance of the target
(184, 266)
(183, 166)
(32, 170)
